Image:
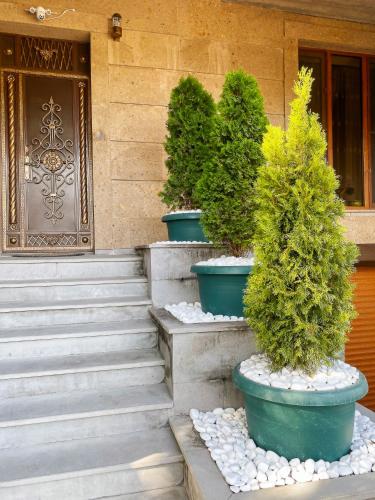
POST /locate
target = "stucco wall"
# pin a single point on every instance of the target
(132, 79)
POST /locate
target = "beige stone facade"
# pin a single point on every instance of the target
(131, 81)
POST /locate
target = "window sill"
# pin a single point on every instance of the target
(359, 211)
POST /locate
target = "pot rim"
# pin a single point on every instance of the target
(291, 397)
(181, 216)
(207, 269)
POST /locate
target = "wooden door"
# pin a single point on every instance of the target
(360, 349)
(47, 202)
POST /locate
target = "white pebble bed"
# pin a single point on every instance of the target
(192, 313)
(246, 467)
(327, 378)
(197, 211)
(175, 242)
(225, 260)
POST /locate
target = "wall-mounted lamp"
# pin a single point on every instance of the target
(116, 27)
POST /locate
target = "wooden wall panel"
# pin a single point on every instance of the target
(360, 349)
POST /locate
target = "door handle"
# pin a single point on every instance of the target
(27, 165)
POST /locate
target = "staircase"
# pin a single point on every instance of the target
(83, 407)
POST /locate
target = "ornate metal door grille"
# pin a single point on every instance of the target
(44, 54)
(40, 53)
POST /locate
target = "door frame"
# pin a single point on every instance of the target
(84, 145)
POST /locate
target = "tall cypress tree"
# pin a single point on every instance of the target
(189, 142)
(299, 297)
(226, 187)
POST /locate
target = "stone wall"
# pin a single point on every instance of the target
(132, 79)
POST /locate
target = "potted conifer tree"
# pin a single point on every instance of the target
(189, 146)
(225, 193)
(299, 397)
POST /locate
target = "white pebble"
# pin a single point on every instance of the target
(283, 472)
(261, 477)
(295, 462)
(246, 487)
(272, 457)
(267, 484)
(289, 480)
(323, 474)
(251, 470)
(300, 475)
(263, 466)
(345, 470)
(194, 413)
(309, 466)
(333, 470)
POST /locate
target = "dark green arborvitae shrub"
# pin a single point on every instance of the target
(299, 298)
(189, 142)
(226, 188)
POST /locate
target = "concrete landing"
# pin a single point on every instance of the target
(204, 481)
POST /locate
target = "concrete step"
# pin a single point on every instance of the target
(27, 314)
(33, 376)
(174, 493)
(86, 338)
(85, 266)
(32, 420)
(63, 289)
(90, 468)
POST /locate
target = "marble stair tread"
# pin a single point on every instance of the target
(78, 457)
(56, 365)
(71, 281)
(129, 257)
(73, 304)
(82, 404)
(77, 330)
(174, 493)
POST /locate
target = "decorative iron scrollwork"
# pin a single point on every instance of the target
(42, 53)
(51, 161)
(52, 240)
(46, 54)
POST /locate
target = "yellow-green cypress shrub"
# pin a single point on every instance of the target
(299, 297)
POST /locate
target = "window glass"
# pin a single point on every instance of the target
(347, 127)
(317, 63)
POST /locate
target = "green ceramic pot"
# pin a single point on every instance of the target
(221, 288)
(301, 424)
(184, 226)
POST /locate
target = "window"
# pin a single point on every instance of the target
(343, 95)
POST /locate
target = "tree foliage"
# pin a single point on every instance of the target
(226, 188)
(299, 297)
(189, 142)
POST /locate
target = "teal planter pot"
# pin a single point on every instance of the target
(184, 226)
(221, 288)
(301, 424)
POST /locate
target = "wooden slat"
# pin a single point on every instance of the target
(360, 349)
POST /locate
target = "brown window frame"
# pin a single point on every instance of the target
(326, 56)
